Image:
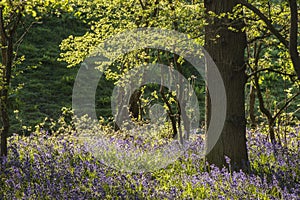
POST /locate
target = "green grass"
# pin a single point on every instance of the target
(47, 82)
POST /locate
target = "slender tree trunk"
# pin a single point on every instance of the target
(252, 106)
(171, 114)
(7, 35)
(228, 53)
(7, 60)
(134, 107)
(293, 47)
(264, 110)
(271, 130)
(181, 103)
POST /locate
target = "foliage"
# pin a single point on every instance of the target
(273, 67)
(43, 166)
(269, 57)
(107, 19)
(43, 53)
(52, 163)
(12, 14)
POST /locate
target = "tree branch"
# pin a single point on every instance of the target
(20, 40)
(258, 89)
(2, 26)
(293, 37)
(271, 70)
(286, 105)
(263, 36)
(143, 6)
(266, 21)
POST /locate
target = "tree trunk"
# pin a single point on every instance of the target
(293, 47)
(7, 60)
(264, 110)
(228, 53)
(134, 107)
(252, 106)
(271, 130)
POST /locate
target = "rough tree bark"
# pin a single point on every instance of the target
(228, 53)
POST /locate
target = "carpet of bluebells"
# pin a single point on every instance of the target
(41, 166)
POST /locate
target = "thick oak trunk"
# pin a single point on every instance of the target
(227, 48)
